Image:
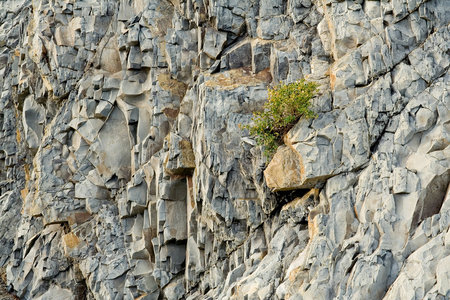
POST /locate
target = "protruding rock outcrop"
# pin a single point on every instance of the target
(125, 171)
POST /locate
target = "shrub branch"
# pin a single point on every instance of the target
(287, 103)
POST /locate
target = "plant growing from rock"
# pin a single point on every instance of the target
(286, 104)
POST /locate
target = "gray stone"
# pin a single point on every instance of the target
(214, 41)
(299, 9)
(175, 290)
(260, 56)
(276, 28)
(134, 58)
(239, 56)
(180, 159)
(34, 122)
(127, 171)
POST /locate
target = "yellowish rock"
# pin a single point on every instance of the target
(70, 242)
(284, 172)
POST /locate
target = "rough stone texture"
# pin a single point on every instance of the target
(4, 295)
(125, 172)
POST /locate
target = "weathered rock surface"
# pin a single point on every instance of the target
(125, 172)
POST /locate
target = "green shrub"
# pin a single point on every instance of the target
(287, 103)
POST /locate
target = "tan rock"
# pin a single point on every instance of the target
(70, 242)
(177, 88)
(284, 172)
(305, 201)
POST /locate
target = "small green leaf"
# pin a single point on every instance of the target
(287, 103)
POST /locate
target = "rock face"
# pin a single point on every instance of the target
(125, 174)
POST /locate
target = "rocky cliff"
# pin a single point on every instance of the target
(125, 174)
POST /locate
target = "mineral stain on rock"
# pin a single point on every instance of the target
(4, 295)
(125, 172)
